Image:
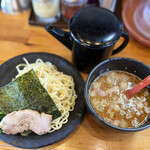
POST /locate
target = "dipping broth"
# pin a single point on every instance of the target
(109, 101)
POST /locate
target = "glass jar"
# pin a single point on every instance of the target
(69, 7)
(47, 11)
(14, 6)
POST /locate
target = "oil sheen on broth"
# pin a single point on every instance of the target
(109, 101)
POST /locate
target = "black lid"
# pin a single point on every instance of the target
(95, 27)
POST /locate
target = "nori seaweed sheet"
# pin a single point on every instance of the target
(26, 92)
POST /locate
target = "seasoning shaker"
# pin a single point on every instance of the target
(46, 11)
(15, 6)
(108, 4)
(69, 7)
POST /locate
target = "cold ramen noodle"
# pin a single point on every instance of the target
(59, 86)
(42, 98)
(109, 101)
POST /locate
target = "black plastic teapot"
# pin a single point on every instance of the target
(92, 35)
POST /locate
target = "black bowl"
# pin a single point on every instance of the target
(124, 64)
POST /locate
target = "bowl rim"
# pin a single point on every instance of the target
(92, 110)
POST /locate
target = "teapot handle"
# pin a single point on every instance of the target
(123, 45)
(61, 35)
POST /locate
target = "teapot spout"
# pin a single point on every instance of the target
(63, 36)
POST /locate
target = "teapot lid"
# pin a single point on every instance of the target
(95, 27)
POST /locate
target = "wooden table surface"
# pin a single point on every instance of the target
(18, 37)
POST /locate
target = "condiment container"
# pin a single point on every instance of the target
(69, 7)
(47, 11)
(15, 6)
(108, 4)
(92, 35)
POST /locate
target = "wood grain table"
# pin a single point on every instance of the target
(18, 37)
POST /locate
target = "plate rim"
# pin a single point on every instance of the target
(134, 32)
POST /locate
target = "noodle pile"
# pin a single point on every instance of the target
(59, 86)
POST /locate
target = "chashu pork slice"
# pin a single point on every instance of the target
(23, 120)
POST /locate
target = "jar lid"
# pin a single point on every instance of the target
(95, 27)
